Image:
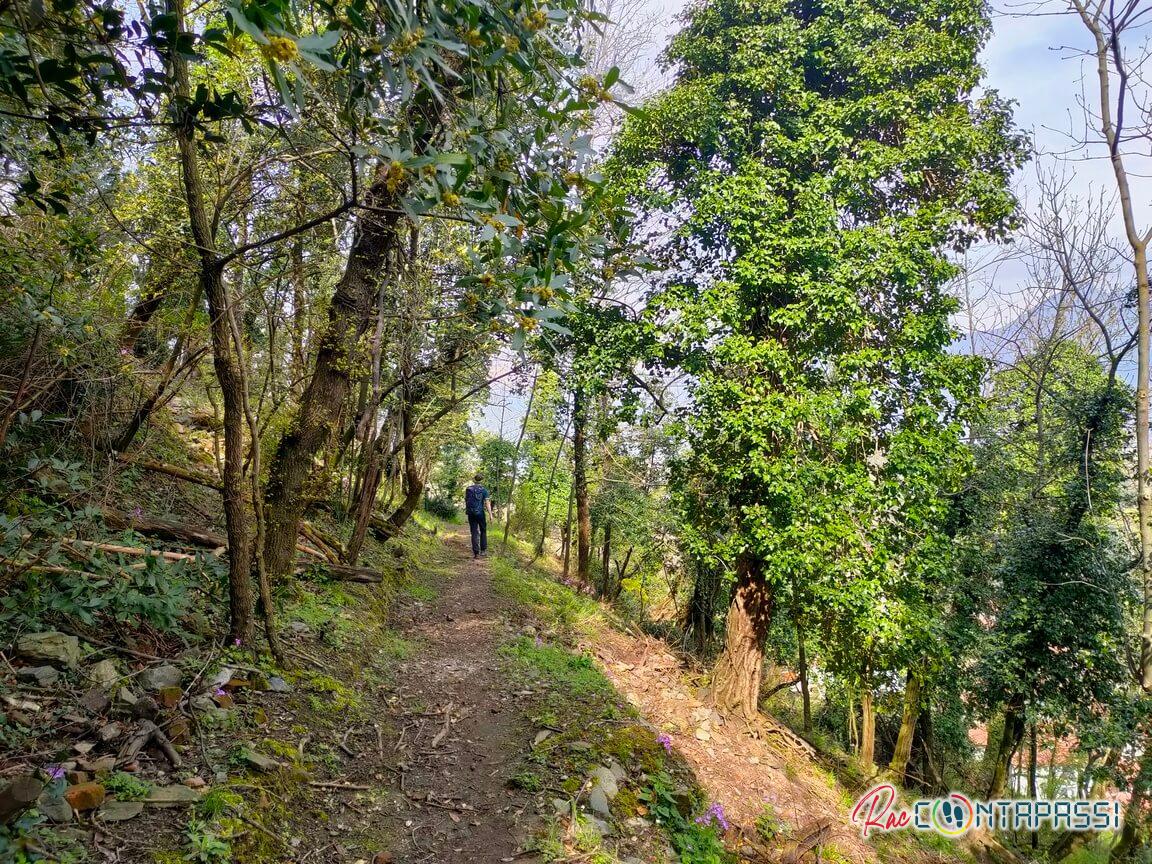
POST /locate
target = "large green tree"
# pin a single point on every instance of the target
(1044, 551)
(817, 161)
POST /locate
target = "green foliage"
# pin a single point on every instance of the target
(204, 845)
(328, 695)
(217, 802)
(325, 609)
(105, 587)
(693, 841)
(1043, 557)
(497, 462)
(442, 508)
(126, 787)
(29, 840)
(769, 826)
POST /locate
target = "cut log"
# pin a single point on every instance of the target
(326, 543)
(18, 796)
(174, 532)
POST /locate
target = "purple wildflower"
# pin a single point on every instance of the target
(54, 772)
(137, 513)
(714, 815)
(237, 642)
(219, 691)
(664, 741)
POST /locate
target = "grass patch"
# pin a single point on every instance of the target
(420, 591)
(548, 601)
(572, 676)
(394, 646)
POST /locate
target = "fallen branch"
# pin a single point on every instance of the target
(355, 787)
(189, 474)
(135, 550)
(344, 573)
(175, 532)
(120, 649)
(189, 534)
(783, 685)
(447, 724)
(149, 733)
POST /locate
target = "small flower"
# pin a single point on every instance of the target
(137, 513)
(714, 815)
(664, 741)
(54, 772)
(280, 48)
(236, 642)
(537, 20)
(219, 691)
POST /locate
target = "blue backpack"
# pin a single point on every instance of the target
(474, 499)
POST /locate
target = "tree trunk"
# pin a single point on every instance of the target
(225, 358)
(1143, 490)
(169, 371)
(1009, 742)
(548, 496)
(1108, 52)
(853, 729)
(147, 305)
(605, 561)
(365, 505)
(805, 696)
(736, 681)
(1032, 775)
(349, 316)
(930, 773)
(516, 459)
(566, 535)
(900, 755)
(580, 484)
(867, 730)
(700, 621)
(1100, 785)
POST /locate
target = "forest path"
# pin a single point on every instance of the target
(461, 726)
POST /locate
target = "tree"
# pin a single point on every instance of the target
(1047, 488)
(816, 163)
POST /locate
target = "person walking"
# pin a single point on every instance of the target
(478, 506)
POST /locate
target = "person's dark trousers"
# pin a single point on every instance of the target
(478, 525)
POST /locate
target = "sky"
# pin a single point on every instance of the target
(1033, 60)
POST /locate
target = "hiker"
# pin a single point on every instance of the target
(478, 506)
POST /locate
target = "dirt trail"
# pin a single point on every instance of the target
(460, 728)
